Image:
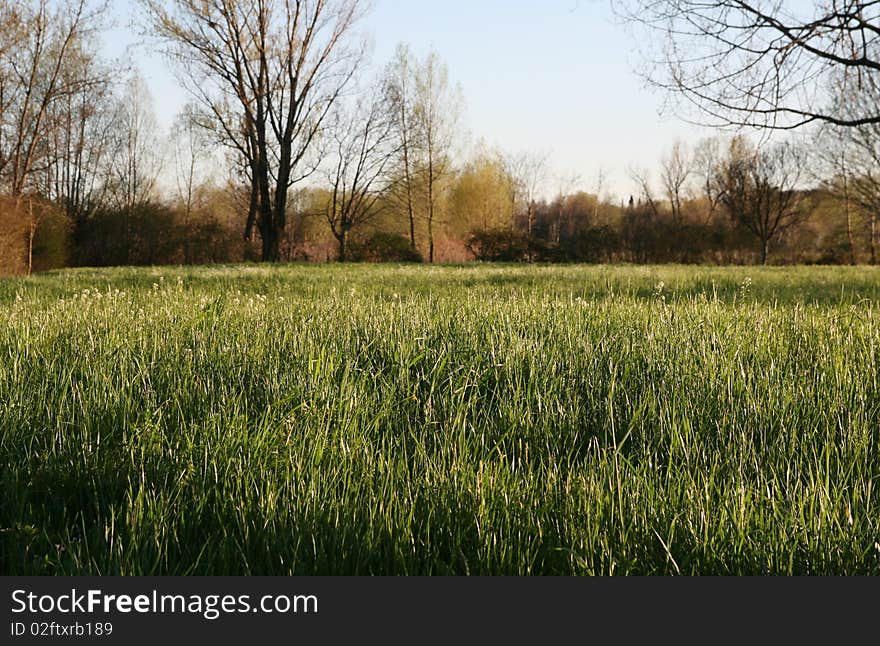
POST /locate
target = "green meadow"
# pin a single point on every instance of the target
(472, 420)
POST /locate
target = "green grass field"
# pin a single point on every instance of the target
(449, 420)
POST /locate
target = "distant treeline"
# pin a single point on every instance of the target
(478, 222)
(575, 228)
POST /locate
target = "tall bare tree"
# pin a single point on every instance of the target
(268, 72)
(831, 165)
(80, 141)
(399, 79)
(642, 179)
(38, 38)
(136, 163)
(190, 148)
(566, 186)
(759, 189)
(674, 172)
(529, 171)
(854, 154)
(437, 111)
(12, 41)
(705, 163)
(363, 147)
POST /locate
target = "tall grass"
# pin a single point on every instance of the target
(455, 420)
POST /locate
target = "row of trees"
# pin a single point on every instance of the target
(276, 84)
(77, 145)
(289, 151)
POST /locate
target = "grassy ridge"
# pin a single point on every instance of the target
(470, 420)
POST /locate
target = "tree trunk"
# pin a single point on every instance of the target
(873, 238)
(271, 242)
(431, 237)
(187, 234)
(128, 236)
(430, 212)
(269, 226)
(31, 233)
(409, 199)
(412, 226)
(342, 246)
(531, 229)
(557, 237)
(764, 245)
(849, 229)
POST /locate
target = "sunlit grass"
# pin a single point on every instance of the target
(449, 420)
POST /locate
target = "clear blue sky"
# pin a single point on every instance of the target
(550, 75)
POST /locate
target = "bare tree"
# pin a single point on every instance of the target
(134, 160)
(705, 163)
(33, 62)
(853, 155)
(362, 152)
(510, 163)
(830, 165)
(643, 180)
(761, 63)
(674, 172)
(268, 72)
(80, 140)
(13, 30)
(759, 189)
(400, 82)
(529, 172)
(866, 189)
(601, 176)
(135, 164)
(436, 111)
(566, 184)
(189, 145)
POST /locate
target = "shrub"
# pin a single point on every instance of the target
(384, 247)
(51, 239)
(13, 239)
(51, 235)
(498, 245)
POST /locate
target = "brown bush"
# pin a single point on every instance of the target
(13, 239)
